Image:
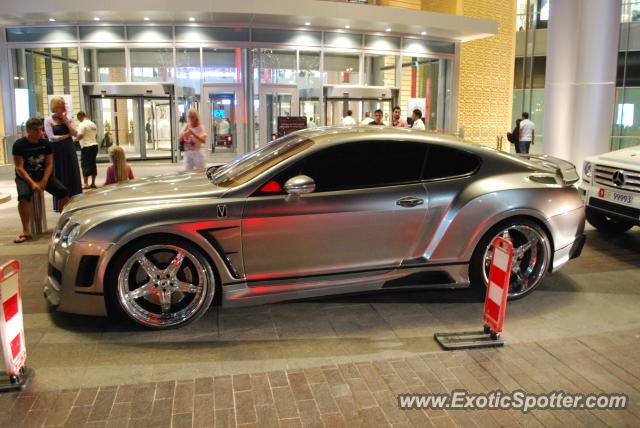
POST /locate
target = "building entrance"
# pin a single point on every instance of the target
(223, 117)
(137, 117)
(275, 101)
(360, 100)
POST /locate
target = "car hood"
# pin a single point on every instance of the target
(629, 157)
(160, 188)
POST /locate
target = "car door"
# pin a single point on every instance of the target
(363, 215)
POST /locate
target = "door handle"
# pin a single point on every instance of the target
(409, 202)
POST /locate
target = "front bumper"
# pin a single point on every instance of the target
(74, 280)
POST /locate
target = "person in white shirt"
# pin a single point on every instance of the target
(527, 133)
(418, 123)
(87, 131)
(367, 119)
(348, 120)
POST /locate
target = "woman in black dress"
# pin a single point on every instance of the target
(59, 128)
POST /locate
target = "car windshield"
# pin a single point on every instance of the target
(243, 169)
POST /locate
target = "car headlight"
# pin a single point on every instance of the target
(69, 233)
(587, 171)
(63, 231)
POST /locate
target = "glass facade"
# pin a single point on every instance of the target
(285, 75)
(530, 66)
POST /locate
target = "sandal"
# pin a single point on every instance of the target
(93, 186)
(22, 238)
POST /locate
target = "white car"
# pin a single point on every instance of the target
(611, 188)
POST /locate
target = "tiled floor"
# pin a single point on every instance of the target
(336, 361)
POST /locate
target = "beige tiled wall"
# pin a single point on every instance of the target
(486, 70)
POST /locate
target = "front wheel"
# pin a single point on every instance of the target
(163, 283)
(607, 224)
(531, 256)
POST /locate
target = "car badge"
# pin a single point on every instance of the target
(601, 193)
(222, 211)
(618, 178)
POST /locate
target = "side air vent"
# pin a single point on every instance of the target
(86, 271)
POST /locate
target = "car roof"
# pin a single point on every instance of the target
(329, 135)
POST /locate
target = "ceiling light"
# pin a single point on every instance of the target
(347, 26)
(146, 18)
(52, 20)
(191, 19)
(307, 23)
(424, 33)
(388, 29)
(95, 18)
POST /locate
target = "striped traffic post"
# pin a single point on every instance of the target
(12, 329)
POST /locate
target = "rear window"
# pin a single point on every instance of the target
(446, 162)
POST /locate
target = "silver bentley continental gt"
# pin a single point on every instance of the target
(317, 212)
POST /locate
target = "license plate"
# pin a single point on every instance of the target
(617, 197)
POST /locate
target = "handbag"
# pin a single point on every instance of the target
(181, 145)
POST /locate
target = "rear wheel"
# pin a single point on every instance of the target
(531, 256)
(162, 283)
(607, 224)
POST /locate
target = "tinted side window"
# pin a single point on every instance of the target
(361, 165)
(445, 162)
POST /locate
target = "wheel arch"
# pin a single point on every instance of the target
(108, 272)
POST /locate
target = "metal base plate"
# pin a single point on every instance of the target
(19, 383)
(467, 339)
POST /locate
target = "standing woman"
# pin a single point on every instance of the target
(193, 137)
(60, 130)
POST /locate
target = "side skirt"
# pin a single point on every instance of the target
(246, 293)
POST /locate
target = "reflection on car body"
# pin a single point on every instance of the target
(318, 212)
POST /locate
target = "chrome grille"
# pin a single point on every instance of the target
(604, 175)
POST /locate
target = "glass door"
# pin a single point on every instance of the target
(118, 124)
(141, 126)
(223, 117)
(157, 128)
(275, 101)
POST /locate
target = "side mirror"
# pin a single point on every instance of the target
(300, 185)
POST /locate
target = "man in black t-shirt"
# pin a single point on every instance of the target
(33, 159)
(378, 118)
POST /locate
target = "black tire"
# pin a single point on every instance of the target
(607, 224)
(171, 299)
(518, 230)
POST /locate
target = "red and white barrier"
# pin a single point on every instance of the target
(495, 302)
(11, 325)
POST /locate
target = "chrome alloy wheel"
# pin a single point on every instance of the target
(163, 286)
(531, 255)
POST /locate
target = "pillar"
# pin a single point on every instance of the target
(582, 51)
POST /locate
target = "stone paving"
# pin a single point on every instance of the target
(337, 361)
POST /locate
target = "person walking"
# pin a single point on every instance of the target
(396, 120)
(119, 171)
(87, 131)
(378, 118)
(60, 130)
(527, 134)
(348, 120)
(418, 123)
(514, 136)
(33, 160)
(193, 137)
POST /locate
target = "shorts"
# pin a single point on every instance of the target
(54, 187)
(193, 159)
(88, 160)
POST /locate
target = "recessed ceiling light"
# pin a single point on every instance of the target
(95, 18)
(52, 20)
(347, 26)
(146, 18)
(424, 33)
(388, 29)
(307, 23)
(191, 19)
